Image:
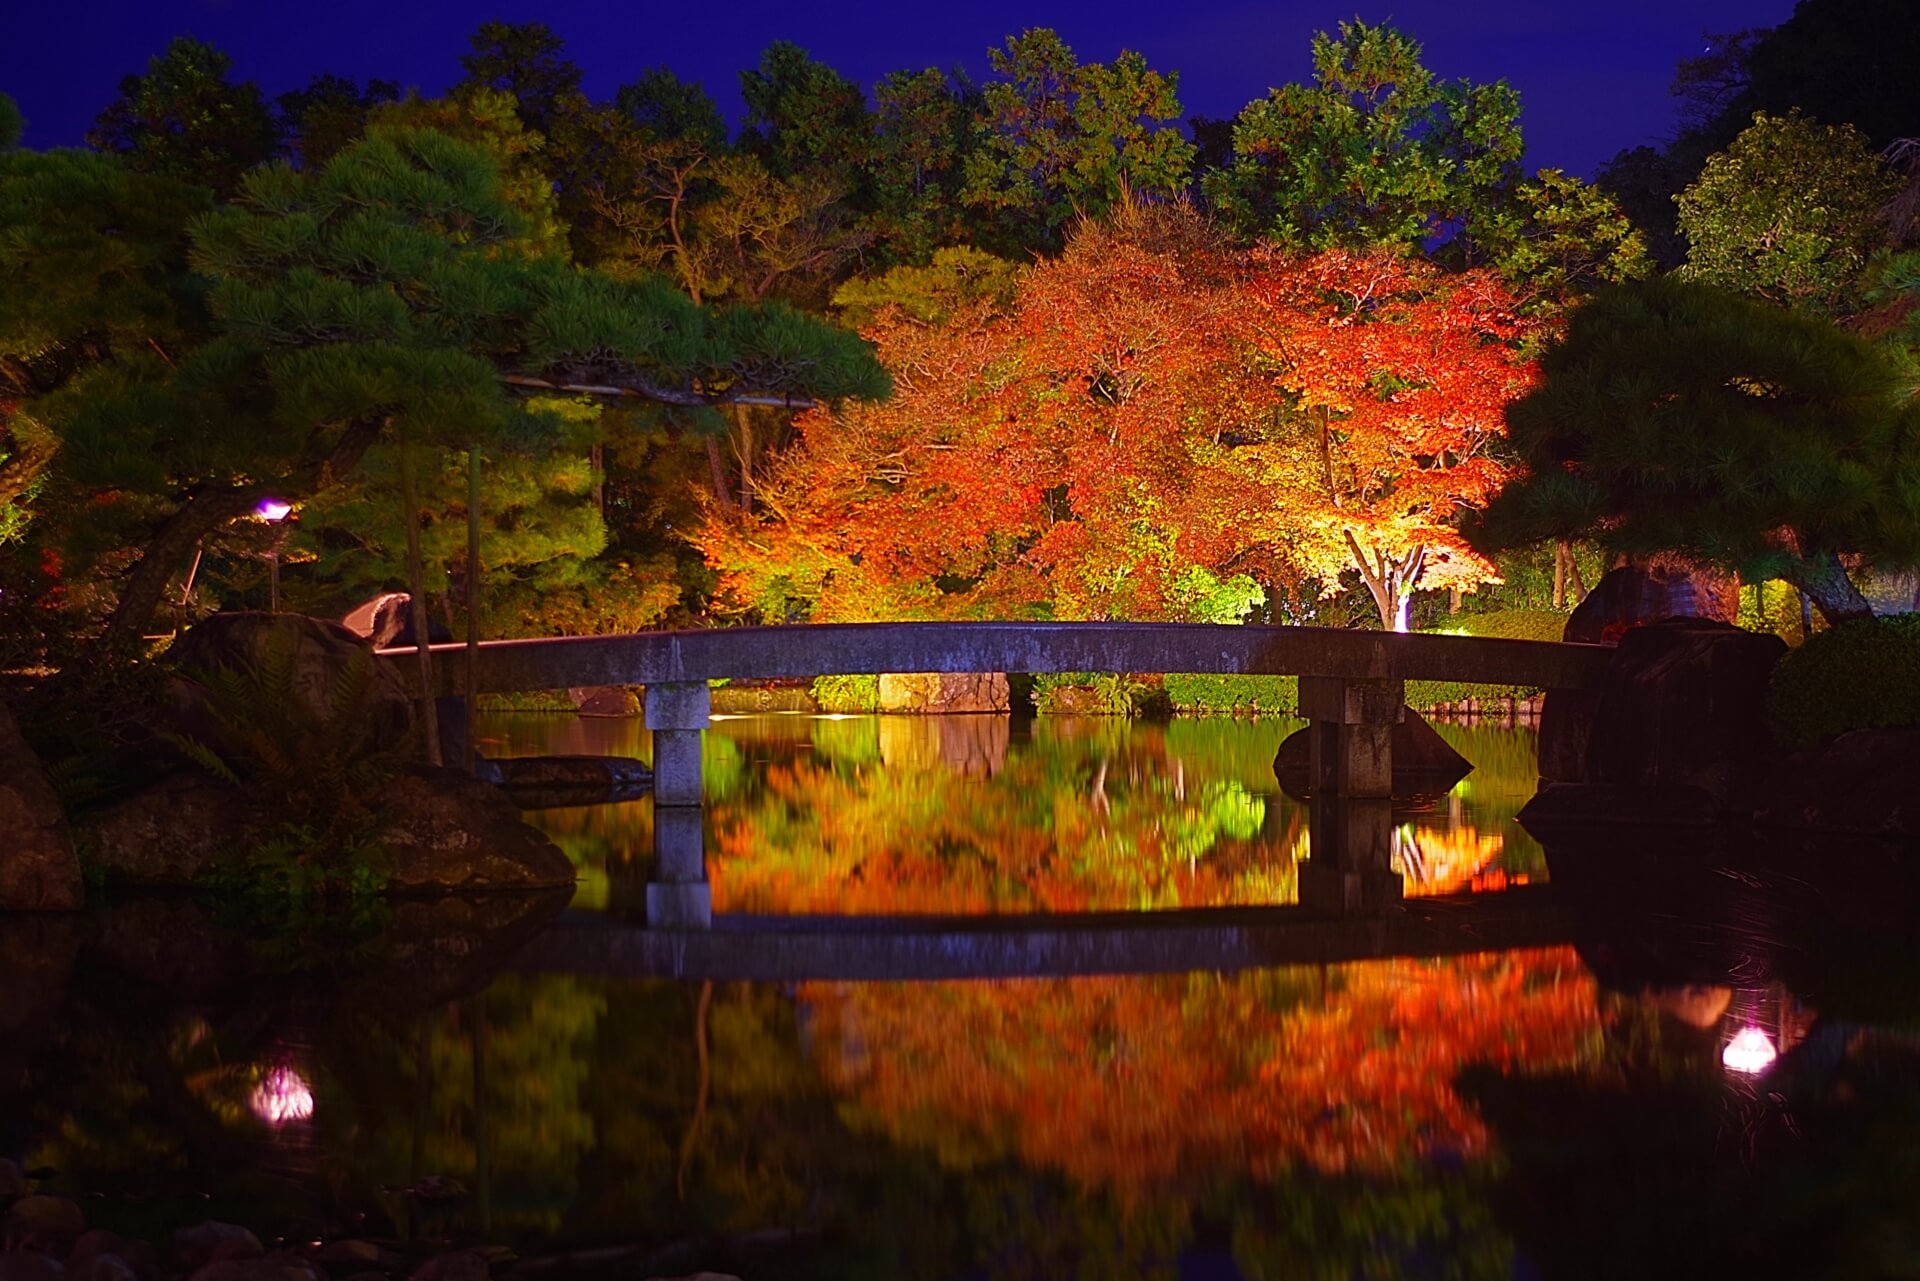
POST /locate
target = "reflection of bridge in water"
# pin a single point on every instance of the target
(929, 948)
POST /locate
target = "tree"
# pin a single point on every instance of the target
(1405, 372)
(370, 300)
(804, 119)
(1789, 213)
(321, 119)
(526, 60)
(1062, 139)
(1677, 417)
(186, 119)
(922, 135)
(94, 288)
(1376, 151)
(1085, 449)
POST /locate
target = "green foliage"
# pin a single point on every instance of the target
(1226, 693)
(523, 59)
(1858, 675)
(1376, 150)
(847, 694)
(1514, 624)
(1096, 693)
(329, 114)
(12, 123)
(185, 119)
(955, 280)
(803, 117)
(1788, 213)
(1061, 139)
(1772, 606)
(1678, 417)
(923, 130)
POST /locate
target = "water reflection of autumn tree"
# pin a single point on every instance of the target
(1065, 825)
(1160, 1083)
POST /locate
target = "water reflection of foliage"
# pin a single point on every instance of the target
(954, 814)
(1067, 824)
(1155, 1083)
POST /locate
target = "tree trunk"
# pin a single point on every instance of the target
(416, 589)
(473, 601)
(171, 544)
(1573, 572)
(744, 448)
(722, 492)
(1823, 579)
(203, 513)
(597, 459)
(1561, 555)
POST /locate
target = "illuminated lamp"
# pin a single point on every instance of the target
(1750, 1052)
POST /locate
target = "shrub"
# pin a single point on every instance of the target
(1196, 692)
(1097, 694)
(1511, 624)
(847, 693)
(1858, 675)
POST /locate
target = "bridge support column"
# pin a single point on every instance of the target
(678, 895)
(1349, 865)
(678, 714)
(1352, 741)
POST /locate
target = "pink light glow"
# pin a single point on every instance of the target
(1750, 1052)
(282, 1096)
(272, 509)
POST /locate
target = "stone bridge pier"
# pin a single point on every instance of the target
(1349, 867)
(678, 894)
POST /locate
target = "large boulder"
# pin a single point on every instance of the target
(547, 782)
(173, 832)
(934, 692)
(443, 830)
(322, 655)
(38, 871)
(1675, 732)
(1625, 598)
(1865, 782)
(1424, 764)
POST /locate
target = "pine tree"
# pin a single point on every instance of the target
(1675, 417)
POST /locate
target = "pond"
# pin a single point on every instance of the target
(1705, 1066)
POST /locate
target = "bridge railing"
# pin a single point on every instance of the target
(844, 649)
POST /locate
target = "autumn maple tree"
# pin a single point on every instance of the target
(1155, 425)
(1403, 372)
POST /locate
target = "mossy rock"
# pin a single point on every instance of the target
(1863, 674)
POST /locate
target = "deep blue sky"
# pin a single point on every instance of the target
(1592, 77)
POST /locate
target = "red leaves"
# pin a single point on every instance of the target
(1152, 403)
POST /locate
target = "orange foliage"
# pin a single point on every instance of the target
(1153, 403)
(1172, 1083)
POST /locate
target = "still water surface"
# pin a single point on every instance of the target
(1565, 1110)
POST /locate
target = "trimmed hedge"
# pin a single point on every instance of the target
(1511, 624)
(1860, 675)
(1190, 692)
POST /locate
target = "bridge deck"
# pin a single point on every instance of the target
(829, 649)
(923, 949)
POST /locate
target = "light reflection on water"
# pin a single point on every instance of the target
(954, 814)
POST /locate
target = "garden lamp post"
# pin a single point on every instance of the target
(273, 511)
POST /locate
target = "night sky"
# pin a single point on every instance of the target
(1592, 77)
